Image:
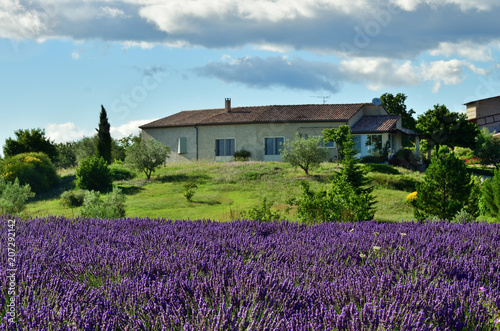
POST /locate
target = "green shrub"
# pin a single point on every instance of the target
(340, 203)
(463, 217)
(73, 198)
(111, 206)
(189, 190)
(404, 158)
(93, 174)
(262, 212)
(118, 172)
(13, 196)
(463, 153)
(242, 155)
(35, 169)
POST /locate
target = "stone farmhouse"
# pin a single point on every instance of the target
(215, 134)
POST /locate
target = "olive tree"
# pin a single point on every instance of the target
(303, 152)
(146, 155)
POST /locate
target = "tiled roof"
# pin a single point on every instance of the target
(260, 114)
(375, 123)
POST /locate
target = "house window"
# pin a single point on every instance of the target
(374, 143)
(330, 144)
(273, 145)
(224, 147)
(182, 145)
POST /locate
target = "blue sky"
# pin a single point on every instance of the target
(60, 60)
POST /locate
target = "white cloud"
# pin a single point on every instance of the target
(112, 12)
(465, 49)
(75, 55)
(142, 44)
(71, 132)
(18, 22)
(464, 5)
(447, 72)
(128, 128)
(376, 73)
(64, 132)
(175, 15)
(482, 5)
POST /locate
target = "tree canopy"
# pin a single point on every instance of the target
(28, 141)
(340, 136)
(146, 155)
(303, 152)
(488, 148)
(396, 105)
(442, 127)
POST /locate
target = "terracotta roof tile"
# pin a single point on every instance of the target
(260, 114)
(375, 123)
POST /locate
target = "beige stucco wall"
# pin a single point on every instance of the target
(170, 138)
(250, 137)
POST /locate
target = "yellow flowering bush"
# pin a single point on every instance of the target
(31, 159)
(411, 199)
(34, 169)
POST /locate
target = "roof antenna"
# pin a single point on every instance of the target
(321, 97)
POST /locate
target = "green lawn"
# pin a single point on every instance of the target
(225, 190)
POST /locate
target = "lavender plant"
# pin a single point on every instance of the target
(152, 274)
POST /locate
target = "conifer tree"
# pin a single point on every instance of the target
(354, 173)
(490, 196)
(104, 137)
(446, 188)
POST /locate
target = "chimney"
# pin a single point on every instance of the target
(228, 105)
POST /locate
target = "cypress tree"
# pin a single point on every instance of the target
(104, 137)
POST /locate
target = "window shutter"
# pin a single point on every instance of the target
(182, 145)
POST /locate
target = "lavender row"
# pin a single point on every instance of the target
(145, 274)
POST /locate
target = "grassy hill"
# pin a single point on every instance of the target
(225, 190)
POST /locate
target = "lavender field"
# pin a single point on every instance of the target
(145, 274)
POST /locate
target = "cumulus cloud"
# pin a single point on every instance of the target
(65, 132)
(374, 73)
(447, 72)
(128, 128)
(377, 73)
(397, 29)
(465, 49)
